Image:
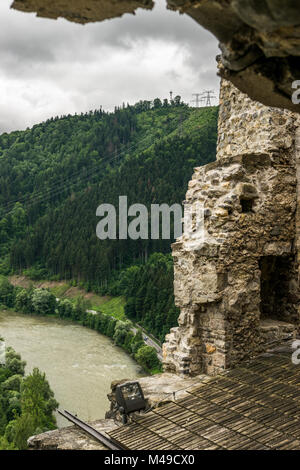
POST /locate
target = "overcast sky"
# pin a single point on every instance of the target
(50, 68)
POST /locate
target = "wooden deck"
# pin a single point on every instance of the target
(253, 407)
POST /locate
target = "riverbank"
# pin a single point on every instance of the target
(113, 306)
(42, 301)
(79, 363)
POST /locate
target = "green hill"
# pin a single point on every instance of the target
(55, 175)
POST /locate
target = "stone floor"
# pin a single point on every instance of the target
(255, 407)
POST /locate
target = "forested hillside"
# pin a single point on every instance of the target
(55, 175)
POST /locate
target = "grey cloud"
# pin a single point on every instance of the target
(160, 23)
(67, 68)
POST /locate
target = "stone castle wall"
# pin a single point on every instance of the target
(236, 279)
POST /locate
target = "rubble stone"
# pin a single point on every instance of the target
(236, 279)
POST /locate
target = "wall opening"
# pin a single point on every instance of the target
(247, 205)
(274, 286)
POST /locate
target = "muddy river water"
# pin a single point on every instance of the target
(79, 363)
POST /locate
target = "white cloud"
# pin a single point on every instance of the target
(50, 68)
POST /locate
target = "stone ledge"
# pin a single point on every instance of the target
(81, 11)
(71, 438)
(157, 389)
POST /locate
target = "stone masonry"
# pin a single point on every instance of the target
(236, 281)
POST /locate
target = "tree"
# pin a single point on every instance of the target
(121, 330)
(177, 100)
(137, 342)
(43, 302)
(157, 103)
(13, 362)
(110, 330)
(13, 383)
(5, 445)
(103, 323)
(14, 405)
(23, 301)
(3, 417)
(6, 292)
(65, 308)
(19, 220)
(19, 430)
(80, 308)
(37, 399)
(129, 308)
(147, 358)
(128, 341)
(26, 404)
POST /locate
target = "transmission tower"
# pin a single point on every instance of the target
(197, 99)
(208, 95)
(171, 96)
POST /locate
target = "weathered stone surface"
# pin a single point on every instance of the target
(71, 438)
(81, 11)
(236, 279)
(276, 332)
(157, 389)
(260, 44)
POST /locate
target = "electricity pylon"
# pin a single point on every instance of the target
(208, 95)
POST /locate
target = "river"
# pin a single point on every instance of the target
(79, 363)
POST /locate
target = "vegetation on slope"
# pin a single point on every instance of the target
(60, 171)
(39, 301)
(148, 290)
(26, 403)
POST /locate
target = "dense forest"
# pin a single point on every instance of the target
(55, 175)
(26, 403)
(148, 290)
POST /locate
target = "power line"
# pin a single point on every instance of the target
(197, 99)
(71, 179)
(59, 188)
(208, 95)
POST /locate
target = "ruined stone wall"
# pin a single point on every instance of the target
(247, 127)
(248, 197)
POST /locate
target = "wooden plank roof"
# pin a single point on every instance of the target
(253, 407)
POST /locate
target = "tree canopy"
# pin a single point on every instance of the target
(55, 175)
